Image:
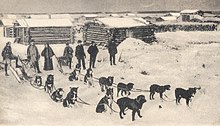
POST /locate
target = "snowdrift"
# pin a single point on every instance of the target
(21, 104)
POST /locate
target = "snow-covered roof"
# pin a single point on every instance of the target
(90, 15)
(189, 11)
(131, 14)
(198, 17)
(45, 22)
(8, 22)
(169, 18)
(39, 16)
(122, 22)
(175, 14)
(22, 22)
(208, 15)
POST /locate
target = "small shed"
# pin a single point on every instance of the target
(8, 26)
(101, 30)
(187, 15)
(44, 30)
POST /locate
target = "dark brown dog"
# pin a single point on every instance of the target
(49, 84)
(186, 94)
(126, 88)
(159, 89)
(71, 97)
(134, 104)
(105, 82)
(57, 95)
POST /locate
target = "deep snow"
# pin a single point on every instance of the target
(172, 61)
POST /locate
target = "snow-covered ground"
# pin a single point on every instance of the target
(174, 60)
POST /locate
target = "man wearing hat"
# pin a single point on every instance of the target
(8, 56)
(112, 50)
(33, 55)
(93, 51)
(68, 53)
(80, 54)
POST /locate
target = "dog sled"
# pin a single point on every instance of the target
(15, 74)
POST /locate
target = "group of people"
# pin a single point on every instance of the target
(33, 55)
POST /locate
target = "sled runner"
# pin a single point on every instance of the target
(14, 72)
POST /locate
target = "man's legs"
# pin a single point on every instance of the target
(113, 59)
(79, 61)
(94, 59)
(37, 66)
(83, 63)
(110, 59)
(6, 69)
(70, 62)
(90, 61)
(16, 61)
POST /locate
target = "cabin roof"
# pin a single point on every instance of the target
(122, 22)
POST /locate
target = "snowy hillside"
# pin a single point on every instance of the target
(176, 60)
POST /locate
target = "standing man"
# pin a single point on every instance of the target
(8, 56)
(93, 51)
(48, 53)
(68, 53)
(80, 54)
(112, 50)
(33, 55)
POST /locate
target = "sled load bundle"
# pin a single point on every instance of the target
(101, 30)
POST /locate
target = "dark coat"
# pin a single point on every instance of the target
(7, 53)
(93, 50)
(79, 53)
(112, 48)
(68, 52)
(47, 53)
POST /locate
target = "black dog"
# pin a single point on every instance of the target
(57, 95)
(88, 77)
(71, 97)
(159, 89)
(101, 105)
(126, 88)
(106, 100)
(186, 94)
(134, 104)
(49, 84)
(75, 74)
(105, 82)
(37, 81)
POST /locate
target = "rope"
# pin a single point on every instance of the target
(36, 86)
(115, 85)
(83, 102)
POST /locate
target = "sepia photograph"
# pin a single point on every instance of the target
(110, 62)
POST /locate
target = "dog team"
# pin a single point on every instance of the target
(106, 83)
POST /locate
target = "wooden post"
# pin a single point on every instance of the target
(23, 36)
(71, 35)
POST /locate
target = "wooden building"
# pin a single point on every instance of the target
(43, 30)
(101, 30)
(187, 15)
